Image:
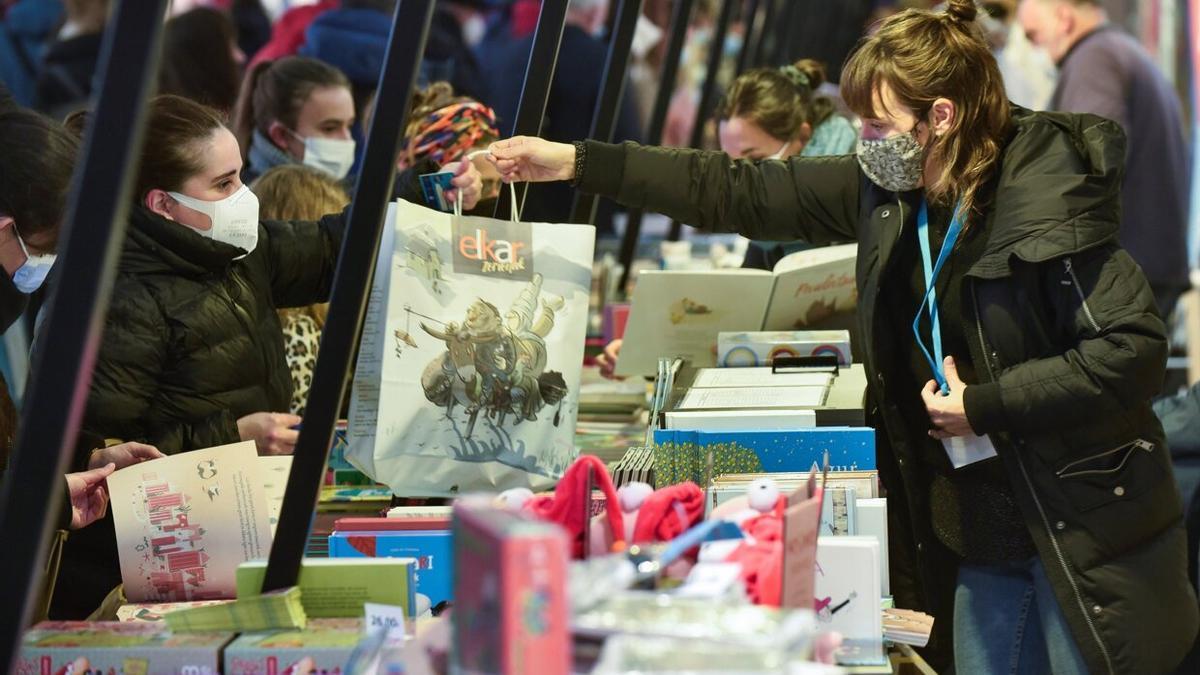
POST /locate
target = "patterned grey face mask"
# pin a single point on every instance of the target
(894, 163)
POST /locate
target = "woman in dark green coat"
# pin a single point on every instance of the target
(1030, 492)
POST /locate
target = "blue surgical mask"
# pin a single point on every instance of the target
(30, 276)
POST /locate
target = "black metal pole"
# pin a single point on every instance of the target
(658, 121)
(782, 53)
(612, 92)
(351, 283)
(709, 91)
(753, 33)
(89, 250)
(539, 75)
(768, 36)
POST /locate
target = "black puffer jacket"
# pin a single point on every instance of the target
(1069, 351)
(192, 341)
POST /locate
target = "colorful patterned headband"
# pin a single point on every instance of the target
(445, 134)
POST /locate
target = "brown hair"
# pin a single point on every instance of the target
(298, 192)
(175, 126)
(923, 56)
(35, 171)
(779, 101)
(212, 80)
(277, 90)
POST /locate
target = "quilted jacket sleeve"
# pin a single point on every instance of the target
(1116, 364)
(301, 258)
(814, 199)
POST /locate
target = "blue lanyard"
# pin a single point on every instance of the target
(932, 270)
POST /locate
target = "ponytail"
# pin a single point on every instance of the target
(274, 91)
(243, 115)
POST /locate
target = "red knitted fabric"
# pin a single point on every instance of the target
(660, 520)
(565, 506)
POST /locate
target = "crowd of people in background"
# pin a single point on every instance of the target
(256, 135)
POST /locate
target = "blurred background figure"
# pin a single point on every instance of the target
(66, 69)
(1105, 71)
(25, 30)
(296, 110)
(775, 113)
(292, 192)
(572, 100)
(202, 60)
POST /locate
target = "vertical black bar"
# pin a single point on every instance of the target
(787, 25)
(612, 92)
(90, 245)
(753, 33)
(768, 36)
(709, 92)
(658, 121)
(351, 283)
(539, 75)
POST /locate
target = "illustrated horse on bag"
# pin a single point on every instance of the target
(497, 366)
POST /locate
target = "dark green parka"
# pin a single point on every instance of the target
(1067, 343)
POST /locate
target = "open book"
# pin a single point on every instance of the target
(185, 522)
(678, 314)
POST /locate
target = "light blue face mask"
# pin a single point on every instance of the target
(30, 276)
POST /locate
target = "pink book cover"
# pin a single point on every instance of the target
(511, 614)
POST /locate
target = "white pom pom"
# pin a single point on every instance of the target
(763, 495)
(514, 499)
(633, 495)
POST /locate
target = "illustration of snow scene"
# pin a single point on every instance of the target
(468, 375)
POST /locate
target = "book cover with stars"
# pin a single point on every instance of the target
(185, 522)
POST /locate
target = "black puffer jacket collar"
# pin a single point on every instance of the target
(1059, 188)
(155, 244)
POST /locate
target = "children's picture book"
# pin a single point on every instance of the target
(679, 314)
(847, 588)
(469, 368)
(185, 522)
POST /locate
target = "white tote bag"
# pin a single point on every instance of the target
(468, 372)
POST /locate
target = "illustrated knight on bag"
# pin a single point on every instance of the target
(468, 376)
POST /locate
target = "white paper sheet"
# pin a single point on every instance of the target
(754, 397)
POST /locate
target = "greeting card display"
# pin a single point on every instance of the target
(468, 373)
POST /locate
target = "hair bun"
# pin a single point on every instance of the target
(962, 10)
(796, 76)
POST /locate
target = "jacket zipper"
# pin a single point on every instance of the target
(1139, 444)
(1087, 311)
(1062, 560)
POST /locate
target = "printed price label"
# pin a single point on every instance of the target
(384, 616)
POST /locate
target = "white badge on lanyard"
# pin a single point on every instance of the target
(962, 450)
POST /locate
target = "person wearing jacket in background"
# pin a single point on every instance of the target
(299, 111)
(66, 71)
(1057, 545)
(35, 176)
(1104, 71)
(27, 27)
(569, 108)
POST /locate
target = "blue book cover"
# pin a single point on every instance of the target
(683, 454)
(431, 549)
